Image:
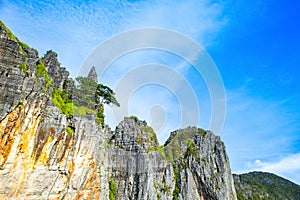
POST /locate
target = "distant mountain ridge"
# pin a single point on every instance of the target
(47, 154)
(264, 185)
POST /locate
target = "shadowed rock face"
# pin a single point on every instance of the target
(39, 159)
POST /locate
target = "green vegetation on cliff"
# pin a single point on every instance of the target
(179, 145)
(42, 72)
(89, 97)
(151, 134)
(11, 36)
(23, 67)
(61, 99)
(262, 185)
(69, 130)
(112, 189)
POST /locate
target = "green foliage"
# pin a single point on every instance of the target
(20, 103)
(166, 189)
(176, 190)
(160, 150)
(156, 190)
(139, 139)
(133, 117)
(179, 146)
(23, 67)
(41, 71)
(83, 111)
(106, 144)
(191, 148)
(173, 150)
(223, 145)
(21, 49)
(150, 132)
(84, 93)
(201, 132)
(262, 185)
(87, 94)
(9, 34)
(100, 115)
(106, 95)
(61, 99)
(69, 130)
(112, 189)
(23, 45)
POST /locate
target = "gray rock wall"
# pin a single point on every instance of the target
(39, 159)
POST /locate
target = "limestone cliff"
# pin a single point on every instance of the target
(45, 154)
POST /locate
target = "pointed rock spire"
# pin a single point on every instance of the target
(93, 74)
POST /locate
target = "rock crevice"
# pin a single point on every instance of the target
(41, 159)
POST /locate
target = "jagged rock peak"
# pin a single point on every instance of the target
(185, 133)
(135, 135)
(93, 74)
(41, 158)
(59, 75)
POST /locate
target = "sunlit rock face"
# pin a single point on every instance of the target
(46, 155)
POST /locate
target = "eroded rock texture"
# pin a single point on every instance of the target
(40, 159)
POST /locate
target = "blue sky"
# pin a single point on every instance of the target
(254, 44)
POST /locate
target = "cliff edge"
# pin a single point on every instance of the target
(48, 153)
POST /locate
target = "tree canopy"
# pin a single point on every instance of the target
(89, 97)
(106, 95)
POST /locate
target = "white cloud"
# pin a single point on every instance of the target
(260, 135)
(288, 167)
(74, 29)
(286, 164)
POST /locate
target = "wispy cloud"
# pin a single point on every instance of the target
(288, 167)
(255, 126)
(261, 134)
(74, 29)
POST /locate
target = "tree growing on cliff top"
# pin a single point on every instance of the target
(106, 95)
(91, 95)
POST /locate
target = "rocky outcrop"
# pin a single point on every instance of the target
(45, 154)
(192, 165)
(134, 135)
(93, 74)
(38, 158)
(59, 75)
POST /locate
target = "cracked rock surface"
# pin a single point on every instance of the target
(39, 159)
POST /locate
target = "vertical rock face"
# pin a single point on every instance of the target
(134, 135)
(93, 74)
(41, 159)
(59, 75)
(191, 165)
(38, 158)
